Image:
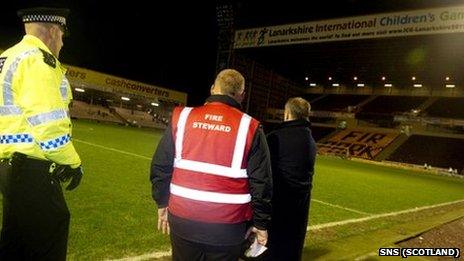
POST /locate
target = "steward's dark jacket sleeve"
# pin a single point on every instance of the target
(161, 168)
(260, 179)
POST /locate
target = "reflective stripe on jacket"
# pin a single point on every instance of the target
(210, 181)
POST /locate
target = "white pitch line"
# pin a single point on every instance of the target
(112, 149)
(341, 207)
(314, 227)
(145, 256)
(391, 214)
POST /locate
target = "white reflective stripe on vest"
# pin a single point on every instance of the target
(212, 169)
(8, 80)
(181, 130)
(47, 117)
(240, 142)
(10, 110)
(208, 196)
(235, 171)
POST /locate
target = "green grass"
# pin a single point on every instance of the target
(114, 216)
(377, 189)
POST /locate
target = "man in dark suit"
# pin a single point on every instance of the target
(293, 153)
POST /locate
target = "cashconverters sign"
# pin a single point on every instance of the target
(104, 82)
(418, 22)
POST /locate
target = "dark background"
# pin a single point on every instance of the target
(165, 43)
(173, 44)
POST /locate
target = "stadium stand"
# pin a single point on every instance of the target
(311, 97)
(318, 132)
(323, 120)
(447, 108)
(140, 118)
(337, 102)
(83, 110)
(373, 116)
(393, 104)
(436, 151)
(361, 143)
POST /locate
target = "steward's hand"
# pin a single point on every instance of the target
(261, 235)
(163, 223)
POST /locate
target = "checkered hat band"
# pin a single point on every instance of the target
(45, 19)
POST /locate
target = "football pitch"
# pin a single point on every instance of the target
(355, 208)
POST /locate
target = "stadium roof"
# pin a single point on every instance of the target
(429, 58)
(183, 54)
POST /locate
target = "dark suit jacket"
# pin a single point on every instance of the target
(293, 153)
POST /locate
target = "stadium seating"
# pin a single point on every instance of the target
(436, 151)
(317, 131)
(337, 102)
(311, 97)
(84, 110)
(140, 118)
(360, 143)
(393, 104)
(447, 108)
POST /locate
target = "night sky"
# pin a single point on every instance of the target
(173, 44)
(164, 43)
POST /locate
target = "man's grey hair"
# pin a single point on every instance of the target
(298, 107)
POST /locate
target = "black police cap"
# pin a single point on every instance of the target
(44, 15)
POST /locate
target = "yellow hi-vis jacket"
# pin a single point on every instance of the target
(34, 100)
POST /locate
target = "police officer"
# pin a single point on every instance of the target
(211, 176)
(35, 141)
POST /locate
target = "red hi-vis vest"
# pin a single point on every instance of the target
(210, 182)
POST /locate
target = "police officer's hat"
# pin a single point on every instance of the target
(44, 15)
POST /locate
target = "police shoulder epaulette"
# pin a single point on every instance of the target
(2, 63)
(48, 58)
